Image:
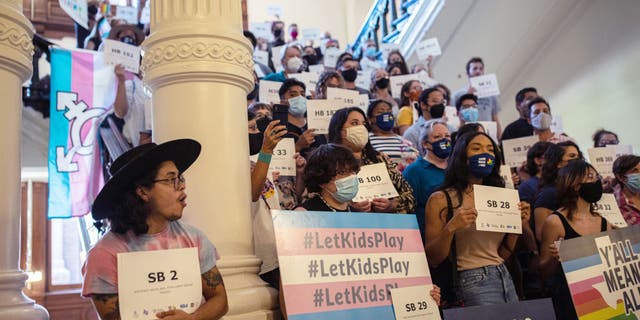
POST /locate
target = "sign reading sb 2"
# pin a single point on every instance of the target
(160, 277)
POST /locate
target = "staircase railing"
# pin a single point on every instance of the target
(397, 21)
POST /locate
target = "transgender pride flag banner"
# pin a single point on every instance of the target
(342, 265)
(82, 89)
(603, 273)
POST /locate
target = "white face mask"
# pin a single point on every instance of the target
(294, 64)
(358, 136)
(542, 121)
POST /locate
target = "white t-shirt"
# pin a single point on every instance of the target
(264, 238)
(134, 120)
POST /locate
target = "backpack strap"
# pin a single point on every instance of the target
(452, 251)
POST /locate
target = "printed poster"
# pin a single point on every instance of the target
(342, 265)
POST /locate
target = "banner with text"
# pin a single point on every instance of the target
(343, 265)
(603, 273)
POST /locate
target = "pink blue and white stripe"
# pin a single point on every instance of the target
(342, 265)
(82, 90)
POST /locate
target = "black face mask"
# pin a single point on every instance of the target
(436, 111)
(277, 33)
(254, 93)
(262, 123)
(382, 83)
(349, 75)
(591, 192)
(311, 59)
(255, 142)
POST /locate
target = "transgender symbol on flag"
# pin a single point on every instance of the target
(78, 115)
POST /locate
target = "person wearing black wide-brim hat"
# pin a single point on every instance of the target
(143, 202)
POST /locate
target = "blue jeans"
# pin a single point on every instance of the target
(486, 285)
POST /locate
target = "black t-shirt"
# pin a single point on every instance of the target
(517, 129)
(295, 132)
(317, 204)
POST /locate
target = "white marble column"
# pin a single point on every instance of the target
(199, 68)
(16, 50)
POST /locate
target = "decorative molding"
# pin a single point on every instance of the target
(16, 37)
(198, 51)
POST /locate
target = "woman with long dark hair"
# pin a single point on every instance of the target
(546, 200)
(479, 255)
(579, 188)
(349, 127)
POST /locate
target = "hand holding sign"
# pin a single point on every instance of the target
(374, 182)
(116, 52)
(415, 303)
(485, 85)
(499, 209)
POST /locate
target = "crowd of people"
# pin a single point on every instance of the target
(432, 157)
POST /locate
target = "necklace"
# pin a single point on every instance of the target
(330, 207)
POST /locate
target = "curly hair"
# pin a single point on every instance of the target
(325, 162)
(131, 212)
(321, 86)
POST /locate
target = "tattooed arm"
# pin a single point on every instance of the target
(214, 308)
(214, 292)
(107, 306)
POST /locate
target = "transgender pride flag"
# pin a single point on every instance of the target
(82, 90)
(340, 266)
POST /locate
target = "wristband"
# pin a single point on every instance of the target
(264, 157)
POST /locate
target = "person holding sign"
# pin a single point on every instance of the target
(348, 127)
(450, 217)
(627, 191)
(348, 68)
(130, 94)
(409, 112)
(540, 117)
(328, 79)
(331, 175)
(488, 107)
(143, 202)
(431, 102)
(546, 201)
(292, 93)
(291, 59)
(382, 137)
(380, 89)
(579, 188)
(427, 173)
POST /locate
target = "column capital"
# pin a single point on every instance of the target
(16, 34)
(197, 40)
(197, 57)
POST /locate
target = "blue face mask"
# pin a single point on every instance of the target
(298, 106)
(469, 114)
(442, 148)
(385, 121)
(371, 52)
(346, 188)
(633, 182)
(481, 165)
(128, 40)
